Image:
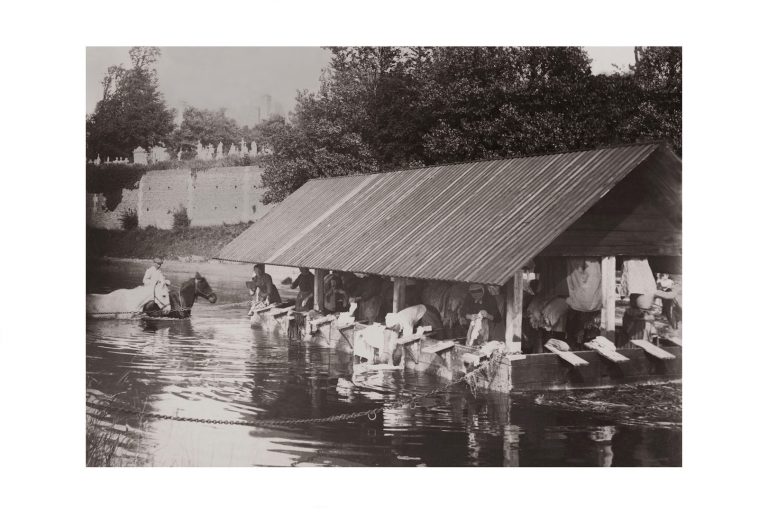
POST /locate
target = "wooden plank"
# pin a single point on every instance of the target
(547, 371)
(319, 297)
(652, 349)
(419, 334)
(674, 339)
(608, 313)
(398, 300)
(514, 315)
(281, 311)
(438, 347)
(315, 324)
(611, 355)
(568, 357)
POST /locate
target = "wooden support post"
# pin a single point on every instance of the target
(608, 313)
(398, 301)
(513, 335)
(319, 298)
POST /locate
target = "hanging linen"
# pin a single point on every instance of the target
(637, 277)
(584, 284)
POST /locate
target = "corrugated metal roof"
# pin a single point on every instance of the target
(471, 222)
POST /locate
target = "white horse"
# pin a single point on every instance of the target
(127, 302)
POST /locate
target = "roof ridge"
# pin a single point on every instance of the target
(533, 155)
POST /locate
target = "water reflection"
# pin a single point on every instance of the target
(214, 365)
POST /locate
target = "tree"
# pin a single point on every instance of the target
(386, 108)
(206, 126)
(132, 112)
(498, 102)
(313, 146)
(658, 73)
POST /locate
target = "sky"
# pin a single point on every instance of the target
(239, 78)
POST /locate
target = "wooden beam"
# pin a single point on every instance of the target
(398, 301)
(319, 297)
(606, 351)
(438, 347)
(652, 349)
(608, 313)
(513, 334)
(568, 357)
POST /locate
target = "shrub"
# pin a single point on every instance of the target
(129, 220)
(111, 179)
(180, 218)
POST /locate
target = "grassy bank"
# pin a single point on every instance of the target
(202, 242)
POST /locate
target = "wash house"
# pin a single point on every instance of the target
(488, 222)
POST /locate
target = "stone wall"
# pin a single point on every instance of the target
(222, 195)
(160, 194)
(99, 216)
(226, 195)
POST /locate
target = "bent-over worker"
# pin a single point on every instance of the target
(306, 284)
(420, 315)
(477, 300)
(261, 282)
(336, 299)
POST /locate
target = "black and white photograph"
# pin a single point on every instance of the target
(384, 256)
(422, 255)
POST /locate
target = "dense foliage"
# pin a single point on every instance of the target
(181, 218)
(207, 127)
(385, 108)
(132, 111)
(111, 180)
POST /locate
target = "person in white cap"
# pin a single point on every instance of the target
(153, 275)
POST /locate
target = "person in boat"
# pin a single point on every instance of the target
(153, 275)
(406, 321)
(306, 285)
(336, 298)
(262, 282)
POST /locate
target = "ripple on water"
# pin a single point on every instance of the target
(216, 366)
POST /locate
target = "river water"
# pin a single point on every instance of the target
(214, 365)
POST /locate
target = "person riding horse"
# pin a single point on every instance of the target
(183, 299)
(153, 274)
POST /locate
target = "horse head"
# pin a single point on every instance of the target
(203, 289)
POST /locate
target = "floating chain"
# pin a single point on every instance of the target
(371, 414)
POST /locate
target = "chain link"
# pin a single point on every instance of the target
(142, 315)
(371, 414)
